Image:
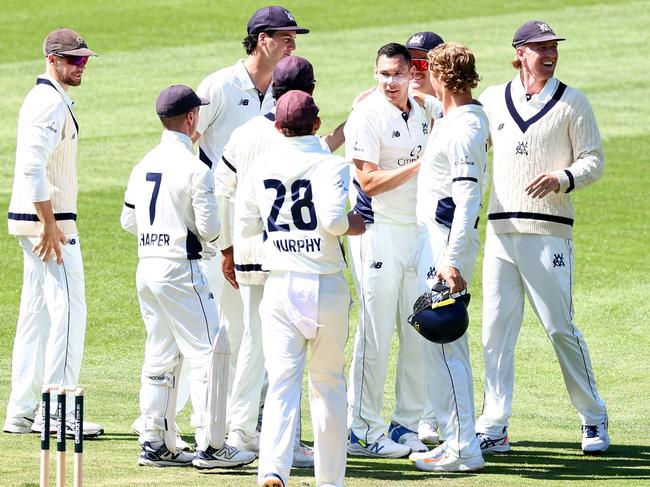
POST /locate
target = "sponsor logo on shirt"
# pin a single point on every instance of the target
(425, 128)
(500, 127)
(356, 147)
(464, 162)
(51, 128)
(244, 101)
(414, 156)
(376, 264)
(395, 134)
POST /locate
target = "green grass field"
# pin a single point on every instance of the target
(145, 46)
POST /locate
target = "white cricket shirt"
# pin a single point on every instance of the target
(297, 195)
(452, 176)
(169, 201)
(379, 132)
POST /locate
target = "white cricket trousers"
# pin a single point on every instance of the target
(285, 354)
(541, 268)
(180, 317)
(388, 282)
(447, 367)
(244, 404)
(51, 327)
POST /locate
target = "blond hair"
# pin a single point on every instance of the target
(454, 66)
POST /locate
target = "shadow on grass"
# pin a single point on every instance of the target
(559, 461)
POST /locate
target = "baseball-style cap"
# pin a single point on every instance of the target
(66, 41)
(424, 41)
(534, 31)
(296, 110)
(177, 100)
(294, 73)
(273, 18)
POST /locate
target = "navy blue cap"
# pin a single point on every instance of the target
(272, 19)
(534, 31)
(296, 110)
(294, 73)
(177, 100)
(424, 41)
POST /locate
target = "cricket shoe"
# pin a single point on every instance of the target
(442, 459)
(225, 457)
(595, 438)
(90, 430)
(384, 447)
(18, 425)
(404, 436)
(428, 432)
(138, 426)
(162, 457)
(494, 444)
(303, 456)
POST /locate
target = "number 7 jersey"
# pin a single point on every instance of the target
(169, 201)
(297, 195)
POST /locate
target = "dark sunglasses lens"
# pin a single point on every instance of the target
(77, 60)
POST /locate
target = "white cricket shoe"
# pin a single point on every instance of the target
(243, 441)
(19, 425)
(428, 433)
(404, 436)
(444, 460)
(384, 447)
(138, 426)
(494, 444)
(303, 456)
(162, 457)
(90, 430)
(595, 438)
(224, 457)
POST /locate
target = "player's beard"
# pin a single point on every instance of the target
(70, 78)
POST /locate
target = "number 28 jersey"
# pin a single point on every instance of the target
(169, 201)
(297, 195)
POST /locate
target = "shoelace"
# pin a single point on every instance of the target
(590, 430)
(486, 441)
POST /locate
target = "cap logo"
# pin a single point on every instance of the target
(544, 27)
(416, 39)
(289, 16)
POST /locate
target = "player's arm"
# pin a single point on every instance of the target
(204, 204)
(225, 185)
(209, 113)
(43, 135)
(336, 137)
(247, 210)
(374, 180)
(468, 159)
(127, 218)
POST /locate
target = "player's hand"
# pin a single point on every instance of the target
(357, 224)
(452, 276)
(228, 266)
(543, 185)
(50, 242)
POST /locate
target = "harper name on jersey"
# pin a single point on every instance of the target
(159, 239)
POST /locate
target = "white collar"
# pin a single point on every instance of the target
(540, 99)
(173, 136)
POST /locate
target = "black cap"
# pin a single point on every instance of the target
(273, 18)
(424, 41)
(296, 110)
(66, 41)
(534, 31)
(177, 100)
(293, 73)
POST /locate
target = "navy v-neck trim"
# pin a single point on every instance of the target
(44, 81)
(525, 124)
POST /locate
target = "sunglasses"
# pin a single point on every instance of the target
(420, 64)
(74, 60)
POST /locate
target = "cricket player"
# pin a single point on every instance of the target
(450, 186)
(237, 94)
(419, 44)
(385, 136)
(170, 206)
(546, 144)
(290, 73)
(297, 194)
(49, 342)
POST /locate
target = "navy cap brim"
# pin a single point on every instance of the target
(539, 38)
(296, 29)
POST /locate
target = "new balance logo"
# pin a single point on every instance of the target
(558, 260)
(500, 127)
(376, 265)
(244, 101)
(210, 296)
(395, 134)
(375, 448)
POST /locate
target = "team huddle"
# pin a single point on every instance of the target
(241, 258)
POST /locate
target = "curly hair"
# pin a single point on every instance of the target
(454, 66)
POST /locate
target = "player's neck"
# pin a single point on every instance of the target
(531, 84)
(454, 100)
(260, 71)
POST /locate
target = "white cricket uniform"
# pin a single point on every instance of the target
(170, 206)
(450, 185)
(297, 195)
(49, 342)
(233, 101)
(378, 132)
(529, 249)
